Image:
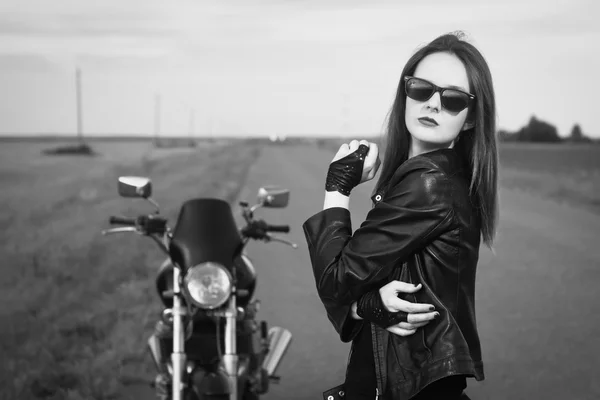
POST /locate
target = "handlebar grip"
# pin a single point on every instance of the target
(278, 228)
(122, 221)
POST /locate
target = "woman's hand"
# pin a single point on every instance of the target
(415, 321)
(372, 160)
(418, 315)
(399, 317)
(351, 166)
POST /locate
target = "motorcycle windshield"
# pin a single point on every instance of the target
(205, 231)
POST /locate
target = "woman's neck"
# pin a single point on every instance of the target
(418, 147)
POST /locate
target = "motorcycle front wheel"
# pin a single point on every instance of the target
(250, 396)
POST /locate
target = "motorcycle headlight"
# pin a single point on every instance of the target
(208, 285)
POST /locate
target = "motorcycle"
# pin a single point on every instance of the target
(207, 343)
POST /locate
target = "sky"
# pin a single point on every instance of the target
(294, 67)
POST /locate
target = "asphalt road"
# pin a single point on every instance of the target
(537, 297)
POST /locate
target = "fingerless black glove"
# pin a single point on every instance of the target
(344, 174)
(370, 307)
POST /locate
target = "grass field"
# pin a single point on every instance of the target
(568, 173)
(64, 330)
(79, 306)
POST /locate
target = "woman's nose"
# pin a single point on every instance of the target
(435, 101)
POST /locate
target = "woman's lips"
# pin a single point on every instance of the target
(428, 121)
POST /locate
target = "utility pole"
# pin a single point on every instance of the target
(192, 143)
(156, 118)
(79, 106)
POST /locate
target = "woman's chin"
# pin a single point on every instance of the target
(432, 141)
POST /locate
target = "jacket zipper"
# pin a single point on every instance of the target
(376, 358)
(376, 199)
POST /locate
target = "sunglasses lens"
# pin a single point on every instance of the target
(419, 90)
(454, 100)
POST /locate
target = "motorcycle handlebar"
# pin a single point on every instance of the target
(278, 228)
(122, 221)
(259, 229)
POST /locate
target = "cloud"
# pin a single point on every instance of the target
(67, 32)
(68, 25)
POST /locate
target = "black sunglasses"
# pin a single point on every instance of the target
(453, 100)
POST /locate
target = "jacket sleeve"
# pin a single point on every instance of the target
(416, 209)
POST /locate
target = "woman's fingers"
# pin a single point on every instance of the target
(342, 152)
(389, 297)
(373, 160)
(344, 147)
(396, 330)
(396, 304)
(403, 287)
(347, 148)
(372, 156)
(370, 165)
(409, 326)
(422, 317)
(415, 321)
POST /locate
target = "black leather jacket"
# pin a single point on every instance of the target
(422, 229)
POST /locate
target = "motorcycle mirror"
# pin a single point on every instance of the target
(135, 186)
(273, 196)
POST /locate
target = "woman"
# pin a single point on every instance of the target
(435, 200)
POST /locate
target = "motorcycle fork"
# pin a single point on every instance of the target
(230, 356)
(178, 359)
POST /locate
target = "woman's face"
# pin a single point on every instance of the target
(444, 70)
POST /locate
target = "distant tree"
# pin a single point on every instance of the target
(506, 136)
(577, 135)
(576, 132)
(538, 131)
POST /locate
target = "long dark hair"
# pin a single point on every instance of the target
(477, 146)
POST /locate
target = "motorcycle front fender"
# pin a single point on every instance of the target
(210, 383)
